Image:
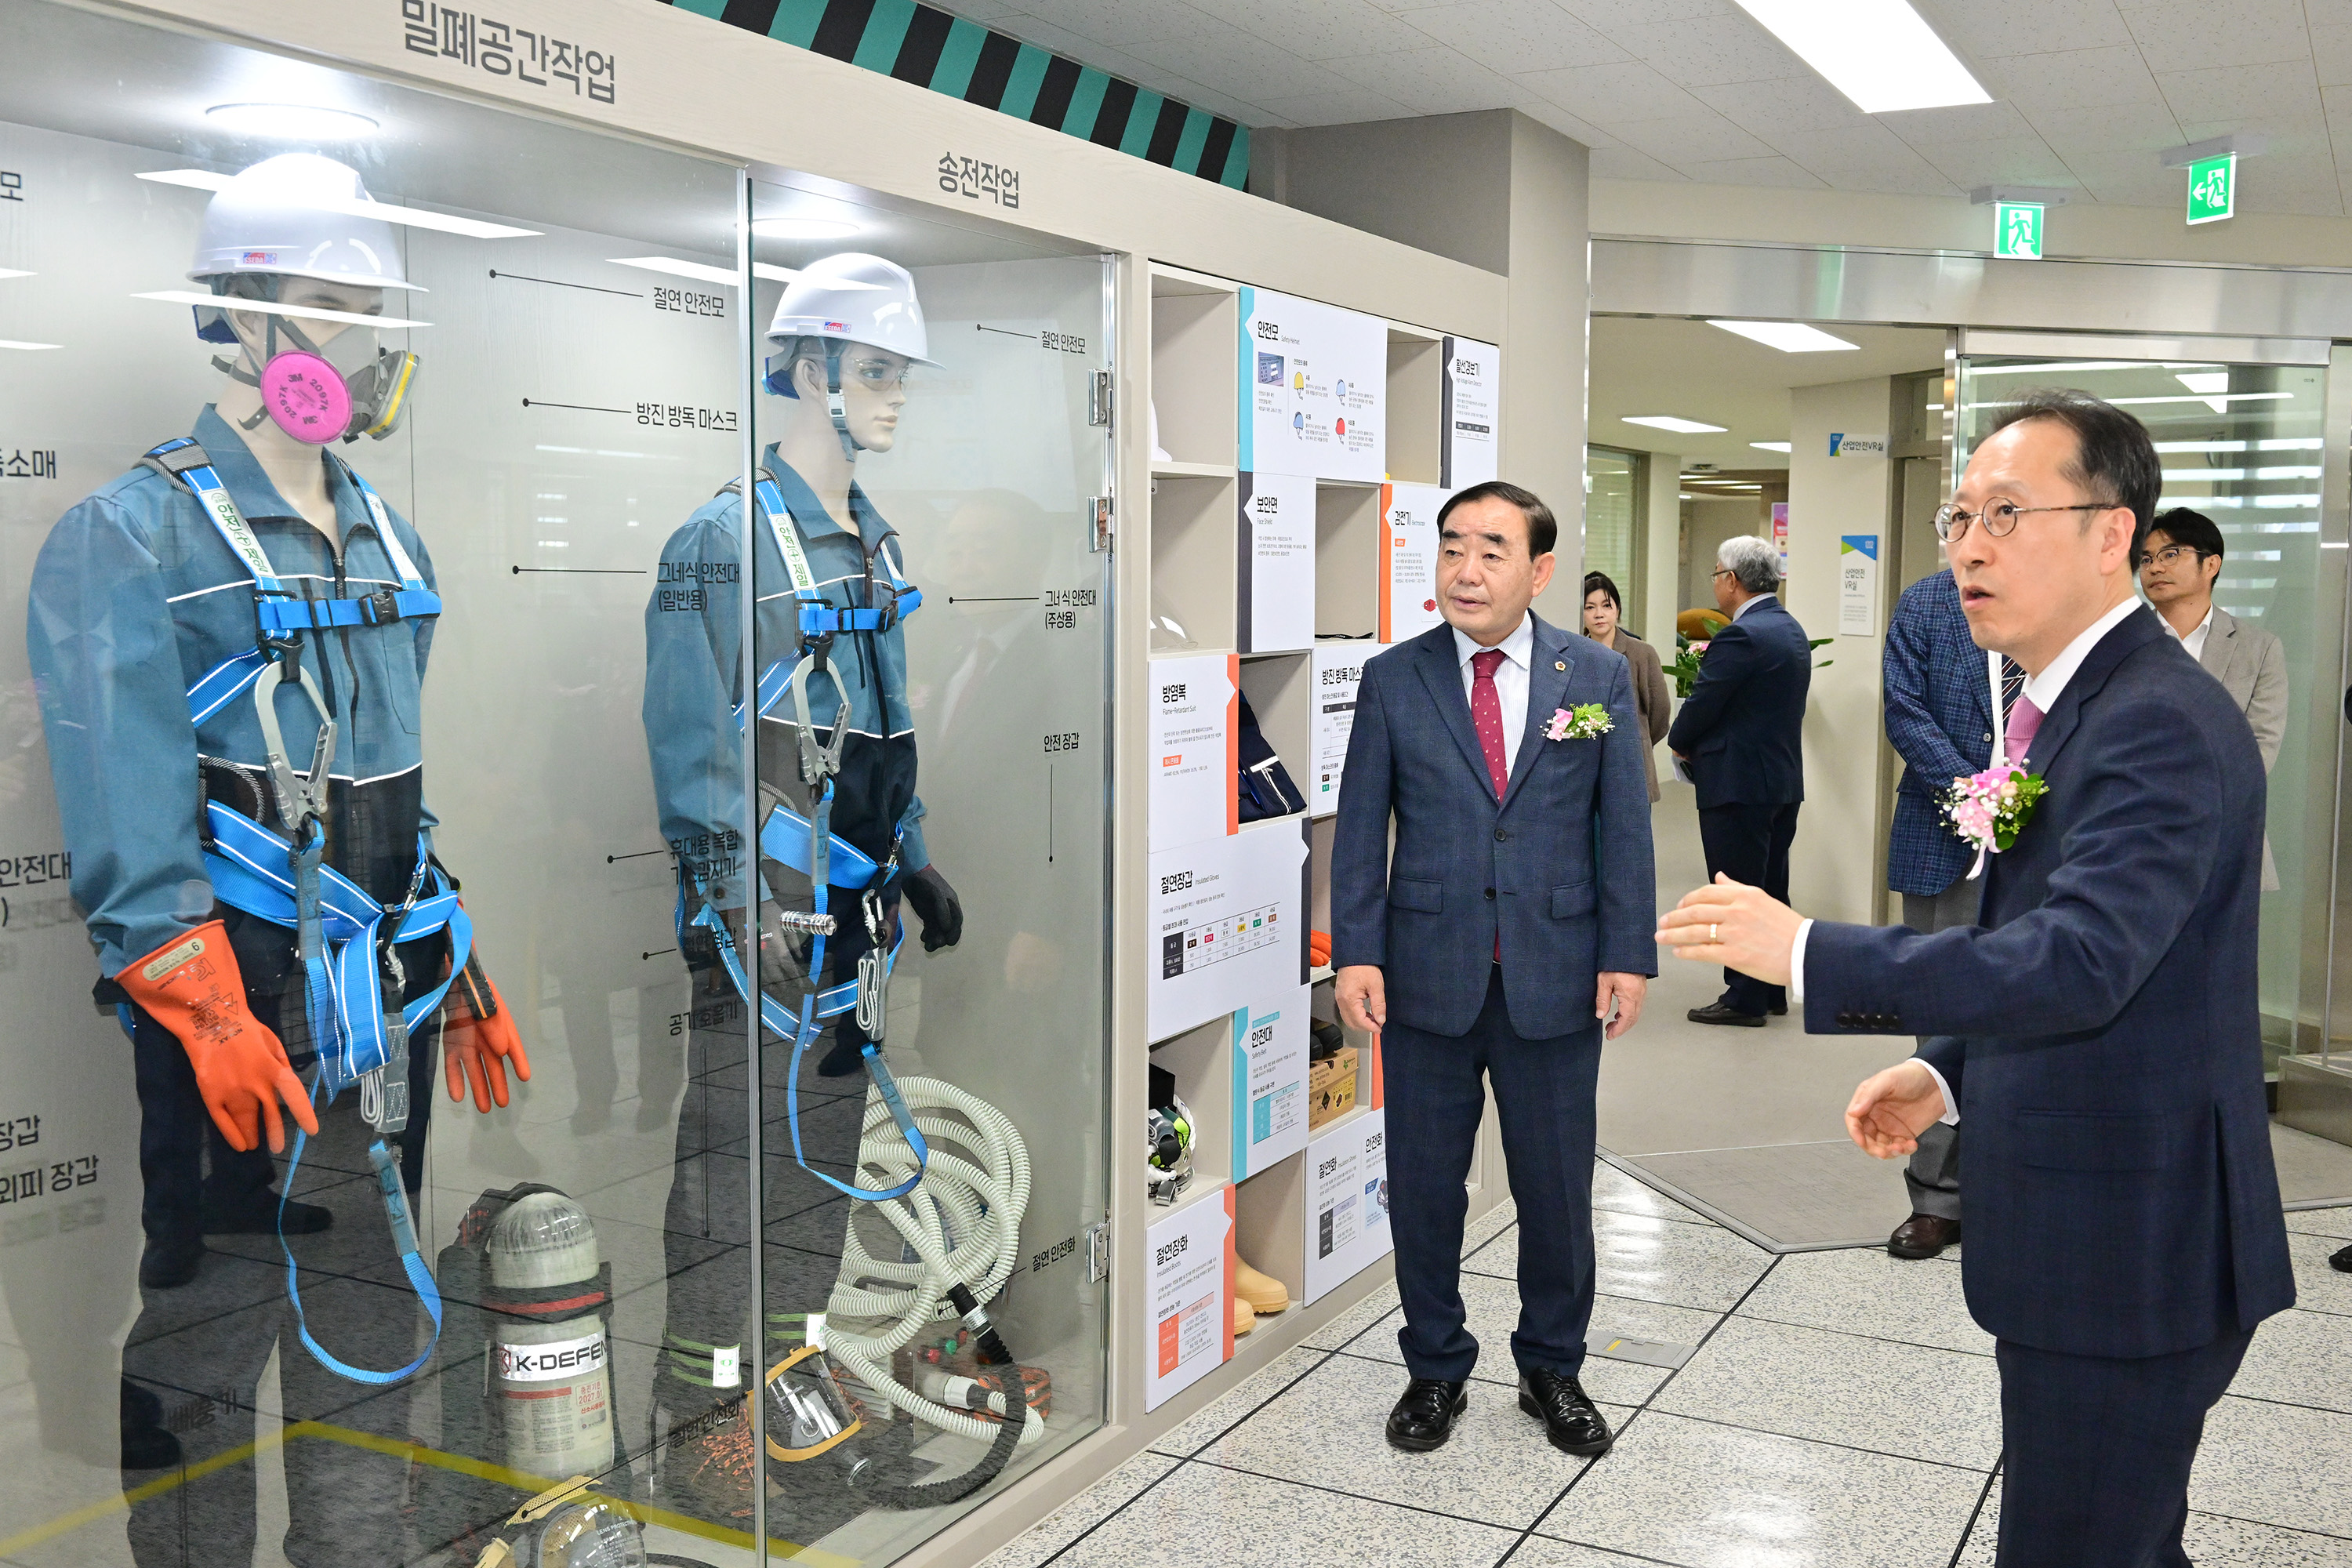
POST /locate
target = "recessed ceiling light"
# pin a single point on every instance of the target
(805, 228)
(291, 121)
(1876, 52)
(2207, 381)
(1789, 337)
(411, 217)
(13, 343)
(1679, 427)
(1769, 446)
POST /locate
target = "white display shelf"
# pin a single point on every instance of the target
(1167, 469)
(1319, 973)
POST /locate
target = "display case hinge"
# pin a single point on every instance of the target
(1099, 399)
(1098, 508)
(1097, 1252)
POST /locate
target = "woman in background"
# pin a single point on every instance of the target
(1603, 610)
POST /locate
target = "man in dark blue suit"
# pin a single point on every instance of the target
(2097, 1031)
(1513, 917)
(1939, 719)
(1741, 737)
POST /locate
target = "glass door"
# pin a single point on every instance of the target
(2241, 444)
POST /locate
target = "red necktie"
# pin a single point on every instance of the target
(2024, 723)
(1486, 717)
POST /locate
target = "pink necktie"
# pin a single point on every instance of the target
(1487, 713)
(2024, 722)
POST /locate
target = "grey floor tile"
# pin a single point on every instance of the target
(2300, 1358)
(2212, 1541)
(2335, 1222)
(1356, 1318)
(1984, 1536)
(1542, 1552)
(1327, 1431)
(1491, 1308)
(1616, 1191)
(1488, 1225)
(1907, 1400)
(1650, 1321)
(1204, 1514)
(1862, 1290)
(1705, 1267)
(1693, 1493)
(2274, 1464)
(2318, 1287)
(1211, 1422)
(1081, 1513)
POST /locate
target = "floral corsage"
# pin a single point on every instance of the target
(1585, 721)
(1990, 809)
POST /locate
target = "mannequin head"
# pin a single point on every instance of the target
(872, 389)
(350, 347)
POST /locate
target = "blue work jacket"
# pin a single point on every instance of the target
(135, 597)
(693, 683)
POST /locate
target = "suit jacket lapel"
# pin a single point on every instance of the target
(1547, 692)
(2135, 631)
(1442, 673)
(2220, 644)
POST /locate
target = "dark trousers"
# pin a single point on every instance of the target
(1933, 1175)
(1435, 1097)
(2098, 1452)
(1750, 844)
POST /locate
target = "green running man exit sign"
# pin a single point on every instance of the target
(2212, 188)
(2017, 230)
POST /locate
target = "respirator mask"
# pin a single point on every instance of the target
(569, 1526)
(340, 390)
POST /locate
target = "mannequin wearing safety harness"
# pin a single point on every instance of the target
(229, 643)
(807, 925)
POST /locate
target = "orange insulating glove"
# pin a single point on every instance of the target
(478, 1038)
(192, 986)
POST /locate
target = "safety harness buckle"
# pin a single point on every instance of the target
(381, 607)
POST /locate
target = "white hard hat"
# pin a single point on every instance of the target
(855, 298)
(289, 216)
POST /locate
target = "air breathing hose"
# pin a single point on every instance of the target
(963, 1222)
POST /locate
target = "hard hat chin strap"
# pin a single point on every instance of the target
(835, 405)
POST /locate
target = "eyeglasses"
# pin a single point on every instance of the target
(1998, 516)
(2167, 557)
(1725, 572)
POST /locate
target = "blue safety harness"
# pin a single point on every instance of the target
(339, 928)
(808, 845)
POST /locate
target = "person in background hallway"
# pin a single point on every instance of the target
(1939, 720)
(2099, 1031)
(1740, 738)
(1509, 924)
(2177, 573)
(1653, 698)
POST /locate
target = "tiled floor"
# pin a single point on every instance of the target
(1840, 1410)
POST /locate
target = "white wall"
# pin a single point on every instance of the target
(1662, 570)
(1837, 868)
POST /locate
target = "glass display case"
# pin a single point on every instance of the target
(422, 757)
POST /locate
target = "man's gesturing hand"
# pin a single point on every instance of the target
(1735, 925)
(1361, 991)
(1627, 991)
(1891, 1109)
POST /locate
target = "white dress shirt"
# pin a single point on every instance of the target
(1510, 681)
(1748, 605)
(2195, 641)
(2043, 692)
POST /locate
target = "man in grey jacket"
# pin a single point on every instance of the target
(2177, 573)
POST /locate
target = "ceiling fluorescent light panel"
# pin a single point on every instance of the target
(1789, 337)
(1876, 52)
(1771, 446)
(1679, 427)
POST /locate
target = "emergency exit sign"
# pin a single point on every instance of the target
(2212, 188)
(2017, 230)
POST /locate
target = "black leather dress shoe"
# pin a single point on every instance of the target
(256, 1215)
(1423, 1417)
(1724, 1012)
(2342, 1261)
(1778, 1009)
(1923, 1236)
(145, 1444)
(170, 1260)
(1571, 1419)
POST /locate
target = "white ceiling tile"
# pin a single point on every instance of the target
(1958, 123)
(2331, 52)
(2024, 161)
(2123, 179)
(1989, 30)
(1355, 106)
(2290, 135)
(2228, 92)
(1624, 163)
(1515, 35)
(1251, 70)
(1866, 158)
(2307, 185)
(1753, 171)
(2190, 35)
(2121, 127)
(1611, 14)
(1603, 93)
(1704, 138)
(1434, 80)
(981, 11)
(1768, 108)
(1573, 127)
(2073, 78)
(1319, 29)
(1708, 51)
(2338, 102)
(1119, 22)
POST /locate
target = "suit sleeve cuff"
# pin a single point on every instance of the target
(1951, 1117)
(1797, 964)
